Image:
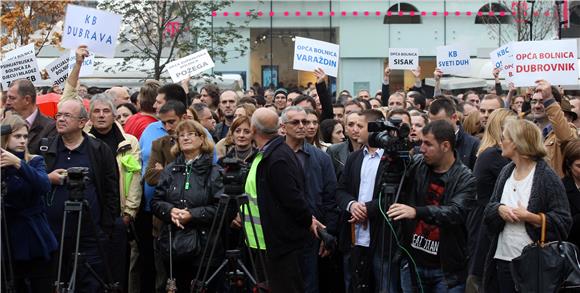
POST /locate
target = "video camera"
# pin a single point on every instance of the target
(234, 176)
(75, 182)
(391, 135)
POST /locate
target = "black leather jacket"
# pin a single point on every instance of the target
(201, 198)
(450, 215)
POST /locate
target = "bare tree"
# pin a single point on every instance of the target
(154, 33)
(515, 24)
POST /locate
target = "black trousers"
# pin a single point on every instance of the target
(144, 228)
(34, 275)
(505, 279)
(285, 274)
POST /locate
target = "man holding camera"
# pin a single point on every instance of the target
(363, 235)
(440, 194)
(74, 148)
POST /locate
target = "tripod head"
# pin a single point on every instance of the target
(75, 182)
(234, 176)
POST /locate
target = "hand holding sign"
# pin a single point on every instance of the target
(81, 53)
(320, 75)
(437, 74)
(416, 72)
(387, 75)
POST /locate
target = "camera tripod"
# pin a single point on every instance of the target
(80, 206)
(236, 270)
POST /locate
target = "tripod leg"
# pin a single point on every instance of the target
(216, 237)
(60, 253)
(72, 283)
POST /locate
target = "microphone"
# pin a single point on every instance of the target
(5, 129)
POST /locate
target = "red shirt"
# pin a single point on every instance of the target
(137, 123)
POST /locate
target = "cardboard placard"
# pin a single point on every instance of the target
(453, 59)
(403, 58)
(191, 65)
(311, 54)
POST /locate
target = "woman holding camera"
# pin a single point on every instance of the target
(186, 201)
(525, 188)
(31, 241)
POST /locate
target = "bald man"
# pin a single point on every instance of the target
(120, 95)
(283, 214)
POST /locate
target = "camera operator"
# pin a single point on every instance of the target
(320, 185)
(74, 148)
(33, 245)
(357, 196)
(441, 193)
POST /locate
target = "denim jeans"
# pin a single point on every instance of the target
(431, 279)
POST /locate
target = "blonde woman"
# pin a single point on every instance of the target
(32, 243)
(525, 187)
(487, 167)
(186, 200)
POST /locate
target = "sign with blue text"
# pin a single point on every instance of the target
(59, 69)
(189, 66)
(403, 58)
(95, 28)
(311, 54)
(453, 59)
(502, 58)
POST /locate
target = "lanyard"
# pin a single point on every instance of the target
(187, 173)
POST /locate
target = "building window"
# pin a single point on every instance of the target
(400, 14)
(496, 18)
(575, 15)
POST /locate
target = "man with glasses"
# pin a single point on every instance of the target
(21, 99)
(548, 115)
(320, 185)
(74, 148)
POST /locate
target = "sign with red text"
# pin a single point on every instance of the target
(189, 66)
(555, 61)
(453, 59)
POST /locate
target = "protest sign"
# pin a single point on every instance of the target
(88, 65)
(311, 54)
(95, 28)
(403, 58)
(188, 66)
(58, 70)
(20, 51)
(555, 61)
(24, 66)
(453, 59)
(502, 58)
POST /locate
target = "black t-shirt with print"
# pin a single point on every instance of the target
(425, 240)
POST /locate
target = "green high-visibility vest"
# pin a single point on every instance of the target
(250, 189)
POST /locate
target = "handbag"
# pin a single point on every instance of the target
(185, 243)
(546, 267)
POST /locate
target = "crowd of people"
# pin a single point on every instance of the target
(330, 208)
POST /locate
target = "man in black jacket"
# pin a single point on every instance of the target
(74, 148)
(21, 98)
(441, 192)
(283, 211)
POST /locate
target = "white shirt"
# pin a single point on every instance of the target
(368, 174)
(30, 119)
(513, 238)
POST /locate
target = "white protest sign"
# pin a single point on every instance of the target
(24, 66)
(19, 52)
(95, 28)
(502, 58)
(311, 54)
(188, 66)
(88, 65)
(554, 61)
(58, 70)
(453, 59)
(403, 58)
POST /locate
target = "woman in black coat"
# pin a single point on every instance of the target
(32, 244)
(186, 199)
(571, 167)
(525, 187)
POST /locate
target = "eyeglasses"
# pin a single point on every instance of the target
(66, 116)
(189, 135)
(296, 122)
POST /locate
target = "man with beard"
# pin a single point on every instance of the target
(228, 101)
